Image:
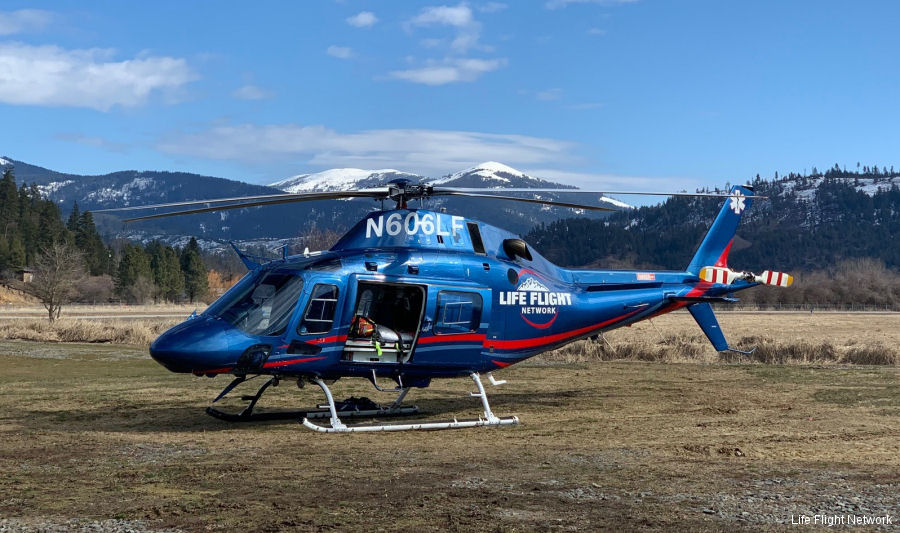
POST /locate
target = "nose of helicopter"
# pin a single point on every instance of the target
(199, 345)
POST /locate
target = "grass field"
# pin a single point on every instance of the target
(100, 438)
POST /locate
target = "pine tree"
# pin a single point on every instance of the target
(133, 274)
(173, 275)
(17, 256)
(74, 216)
(196, 282)
(9, 203)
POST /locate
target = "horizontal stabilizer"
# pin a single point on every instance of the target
(712, 299)
(726, 276)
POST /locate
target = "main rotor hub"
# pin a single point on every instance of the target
(401, 190)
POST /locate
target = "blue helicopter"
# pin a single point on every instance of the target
(412, 295)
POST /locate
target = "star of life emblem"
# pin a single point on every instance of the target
(737, 203)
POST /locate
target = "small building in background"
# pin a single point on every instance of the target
(26, 275)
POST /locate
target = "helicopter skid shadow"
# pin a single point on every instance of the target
(192, 418)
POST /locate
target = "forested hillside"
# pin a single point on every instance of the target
(809, 222)
(30, 225)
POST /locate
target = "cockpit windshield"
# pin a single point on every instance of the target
(261, 305)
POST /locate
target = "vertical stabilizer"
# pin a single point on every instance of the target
(714, 249)
(706, 319)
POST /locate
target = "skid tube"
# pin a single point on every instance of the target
(488, 418)
(321, 411)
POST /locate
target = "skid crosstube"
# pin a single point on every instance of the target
(350, 408)
(488, 418)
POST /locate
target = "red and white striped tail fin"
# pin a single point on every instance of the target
(778, 279)
(718, 275)
(726, 276)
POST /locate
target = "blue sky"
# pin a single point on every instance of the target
(639, 94)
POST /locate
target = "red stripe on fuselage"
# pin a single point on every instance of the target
(214, 371)
(275, 364)
(473, 337)
(325, 340)
(501, 364)
(550, 339)
(698, 290)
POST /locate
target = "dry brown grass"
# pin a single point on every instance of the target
(139, 332)
(810, 339)
(36, 309)
(779, 338)
(617, 446)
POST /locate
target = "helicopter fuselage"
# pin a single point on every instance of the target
(413, 295)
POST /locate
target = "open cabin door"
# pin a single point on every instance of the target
(385, 322)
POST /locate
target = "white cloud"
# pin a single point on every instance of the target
(432, 152)
(596, 31)
(458, 16)
(363, 19)
(614, 182)
(492, 7)
(449, 71)
(251, 92)
(549, 94)
(340, 52)
(53, 76)
(24, 20)
(466, 34)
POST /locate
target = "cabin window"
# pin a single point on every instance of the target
(319, 314)
(457, 312)
(263, 306)
(475, 235)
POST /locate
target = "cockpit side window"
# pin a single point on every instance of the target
(319, 315)
(264, 307)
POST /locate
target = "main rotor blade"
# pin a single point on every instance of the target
(317, 195)
(591, 191)
(275, 201)
(447, 192)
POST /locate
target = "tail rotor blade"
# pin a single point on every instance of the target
(718, 275)
(726, 276)
(776, 279)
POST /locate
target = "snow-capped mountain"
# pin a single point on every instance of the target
(487, 175)
(342, 179)
(130, 188)
(494, 175)
(489, 172)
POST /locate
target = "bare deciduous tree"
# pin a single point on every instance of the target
(57, 270)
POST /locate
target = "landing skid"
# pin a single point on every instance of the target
(488, 418)
(350, 408)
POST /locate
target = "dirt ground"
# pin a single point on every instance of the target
(100, 438)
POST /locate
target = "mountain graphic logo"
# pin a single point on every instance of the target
(532, 284)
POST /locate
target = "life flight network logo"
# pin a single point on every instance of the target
(539, 306)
